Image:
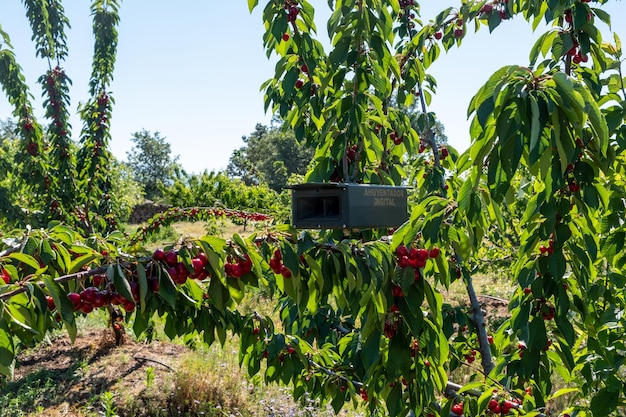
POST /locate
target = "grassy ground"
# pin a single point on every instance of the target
(93, 377)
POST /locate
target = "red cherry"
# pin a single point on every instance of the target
(153, 284)
(50, 301)
(402, 251)
(457, 409)
(438, 35)
(88, 295)
(422, 254)
(433, 253)
(487, 9)
(202, 256)
(506, 406)
(98, 280)
(235, 270)
(285, 37)
(158, 255)
(568, 16)
(492, 404)
(403, 262)
(299, 84)
(363, 394)
(5, 276)
(198, 266)
(458, 33)
(171, 258)
(173, 273)
(275, 264)
(285, 272)
(134, 287)
(99, 299)
(293, 14)
(396, 291)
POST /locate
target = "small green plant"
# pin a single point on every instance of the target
(108, 405)
(149, 376)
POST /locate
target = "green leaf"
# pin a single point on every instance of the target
(252, 4)
(394, 400)
(116, 275)
(370, 354)
(602, 15)
(46, 253)
(313, 300)
(218, 294)
(562, 391)
(63, 304)
(566, 329)
(535, 126)
(140, 323)
(566, 91)
(340, 52)
(78, 263)
(7, 350)
(25, 259)
(143, 286)
(604, 402)
(596, 119)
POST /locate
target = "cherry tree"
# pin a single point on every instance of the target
(362, 313)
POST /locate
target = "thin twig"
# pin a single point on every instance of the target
(141, 358)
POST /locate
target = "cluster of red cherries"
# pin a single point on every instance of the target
(276, 263)
(177, 270)
(93, 297)
(414, 257)
(238, 266)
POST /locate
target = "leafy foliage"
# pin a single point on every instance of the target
(63, 182)
(270, 156)
(125, 193)
(152, 163)
(211, 189)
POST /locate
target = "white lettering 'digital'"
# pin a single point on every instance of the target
(384, 202)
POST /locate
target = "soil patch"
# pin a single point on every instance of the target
(64, 378)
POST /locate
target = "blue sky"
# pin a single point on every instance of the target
(192, 70)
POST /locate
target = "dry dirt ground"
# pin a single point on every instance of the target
(93, 365)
